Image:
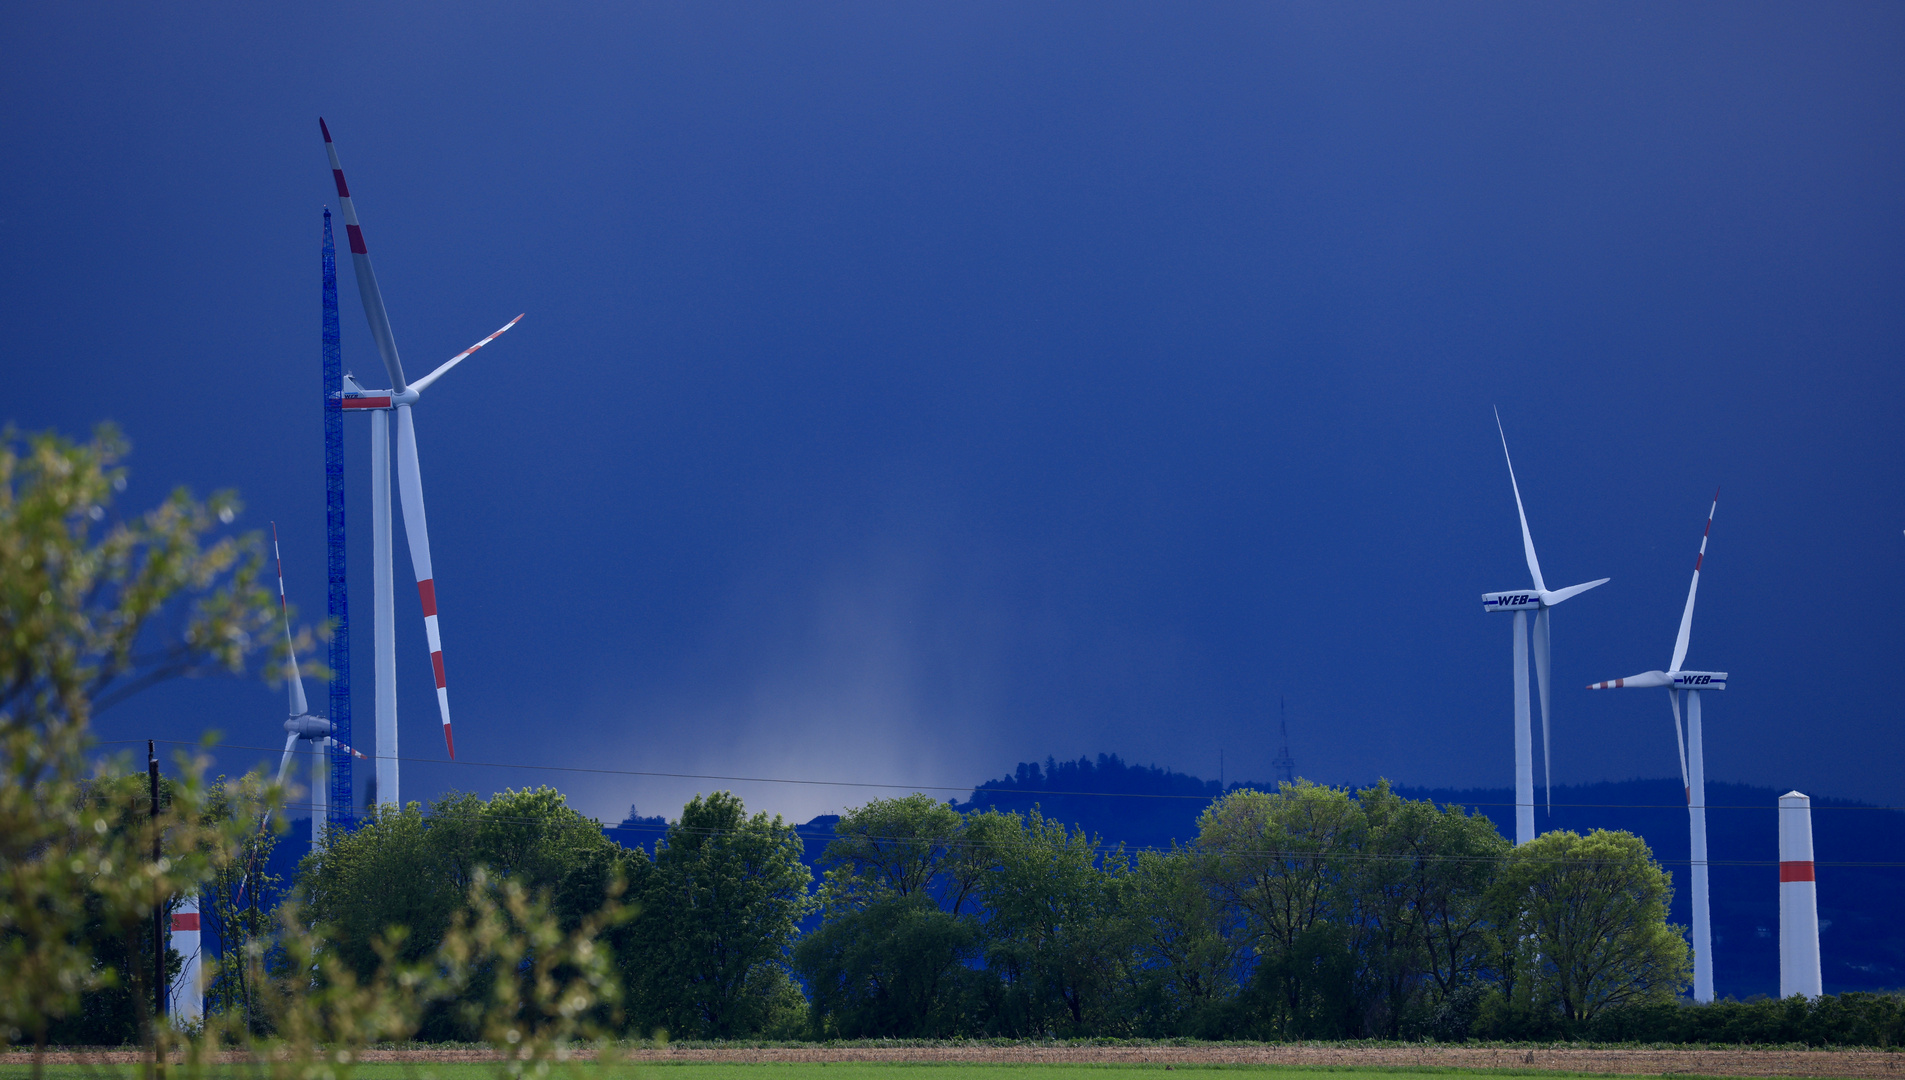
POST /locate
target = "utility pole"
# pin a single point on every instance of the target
(158, 920)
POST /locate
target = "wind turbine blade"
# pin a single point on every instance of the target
(367, 289)
(1559, 595)
(417, 531)
(347, 748)
(1527, 539)
(298, 705)
(284, 762)
(1541, 676)
(424, 383)
(1634, 682)
(1680, 744)
(1686, 617)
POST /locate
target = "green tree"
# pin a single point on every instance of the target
(708, 954)
(893, 954)
(1457, 857)
(1587, 925)
(400, 871)
(904, 847)
(1284, 860)
(534, 837)
(1419, 892)
(95, 607)
(1188, 949)
(1053, 924)
(405, 877)
(892, 967)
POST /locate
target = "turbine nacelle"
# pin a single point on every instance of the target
(376, 399)
(1525, 600)
(308, 727)
(1699, 680)
(316, 729)
(1534, 599)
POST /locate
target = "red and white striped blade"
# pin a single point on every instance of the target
(1642, 681)
(298, 705)
(367, 289)
(1686, 617)
(424, 383)
(417, 530)
(347, 748)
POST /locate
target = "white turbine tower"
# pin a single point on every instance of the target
(399, 398)
(1798, 900)
(302, 725)
(1539, 600)
(1693, 767)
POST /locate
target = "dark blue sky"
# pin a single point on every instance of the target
(911, 390)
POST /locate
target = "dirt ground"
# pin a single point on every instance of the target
(1664, 1061)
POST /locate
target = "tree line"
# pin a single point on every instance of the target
(1306, 912)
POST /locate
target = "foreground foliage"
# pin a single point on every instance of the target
(94, 607)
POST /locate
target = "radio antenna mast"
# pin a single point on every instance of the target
(1285, 765)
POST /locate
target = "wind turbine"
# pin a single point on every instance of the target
(381, 403)
(302, 725)
(1693, 767)
(1539, 600)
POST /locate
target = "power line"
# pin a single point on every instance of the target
(977, 789)
(1221, 852)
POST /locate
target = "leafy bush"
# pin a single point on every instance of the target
(1855, 1019)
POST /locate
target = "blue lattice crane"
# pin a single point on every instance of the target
(342, 808)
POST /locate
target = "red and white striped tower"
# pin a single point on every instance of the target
(1798, 900)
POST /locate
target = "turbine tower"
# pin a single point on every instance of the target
(302, 725)
(1693, 768)
(185, 996)
(401, 395)
(1798, 900)
(1520, 602)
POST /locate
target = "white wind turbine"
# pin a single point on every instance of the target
(399, 398)
(1693, 765)
(302, 725)
(1538, 599)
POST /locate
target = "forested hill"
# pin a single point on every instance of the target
(1137, 805)
(1862, 940)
